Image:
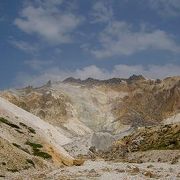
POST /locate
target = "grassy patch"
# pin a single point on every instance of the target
(30, 162)
(22, 124)
(13, 170)
(42, 154)
(3, 163)
(19, 131)
(5, 121)
(37, 152)
(30, 129)
(34, 145)
(16, 145)
(21, 148)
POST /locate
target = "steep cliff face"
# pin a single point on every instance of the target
(149, 102)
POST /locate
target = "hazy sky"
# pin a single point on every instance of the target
(54, 39)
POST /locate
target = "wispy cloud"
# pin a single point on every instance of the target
(170, 8)
(102, 12)
(24, 46)
(48, 22)
(120, 38)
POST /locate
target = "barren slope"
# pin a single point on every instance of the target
(29, 138)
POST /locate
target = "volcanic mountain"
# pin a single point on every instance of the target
(64, 123)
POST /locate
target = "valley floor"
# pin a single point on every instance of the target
(103, 170)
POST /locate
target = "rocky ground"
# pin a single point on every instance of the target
(103, 170)
(164, 137)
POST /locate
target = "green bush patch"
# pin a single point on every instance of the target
(3, 163)
(37, 152)
(19, 131)
(42, 154)
(16, 145)
(30, 162)
(34, 145)
(13, 170)
(5, 121)
(21, 148)
(30, 129)
(22, 124)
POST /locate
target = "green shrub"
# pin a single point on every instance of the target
(30, 162)
(3, 163)
(37, 151)
(13, 170)
(42, 154)
(34, 145)
(31, 130)
(22, 124)
(5, 121)
(16, 145)
(19, 131)
(21, 148)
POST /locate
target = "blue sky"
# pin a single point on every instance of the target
(54, 39)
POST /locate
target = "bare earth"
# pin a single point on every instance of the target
(103, 170)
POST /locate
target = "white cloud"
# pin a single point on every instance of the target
(48, 22)
(151, 71)
(166, 7)
(24, 46)
(119, 38)
(101, 12)
(121, 70)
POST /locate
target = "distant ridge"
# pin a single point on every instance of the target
(107, 81)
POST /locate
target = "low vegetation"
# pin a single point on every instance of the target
(37, 152)
(13, 170)
(21, 148)
(30, 129)
(30, 162)
(5, 121)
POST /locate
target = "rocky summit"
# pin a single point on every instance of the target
(91, 129)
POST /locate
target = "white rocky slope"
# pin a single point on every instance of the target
(53, 136)
(172, 119)
(92, 107)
